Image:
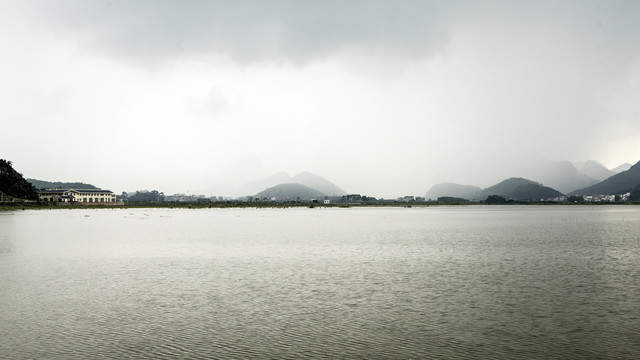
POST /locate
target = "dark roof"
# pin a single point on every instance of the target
(53, 191)
(60, 191)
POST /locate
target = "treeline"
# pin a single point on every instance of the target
(13, 185)
(153, 196)
(42, 184)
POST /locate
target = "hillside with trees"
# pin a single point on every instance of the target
(521, 189)
(153, 196)
(533, 192)
(13, 185)
(290, 191)
(42, 184)
(507, 186)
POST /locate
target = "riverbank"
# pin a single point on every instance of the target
(12, 206)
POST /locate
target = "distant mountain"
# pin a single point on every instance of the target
(561, 175)
(507, 186)
(306, 178)
(255, 186)
(533, 192)
(617, 184)
(290, 191)
(12, 183)
(318, 183)
(42, 184)
(621, 168)
(595, 170)
(521, 189)
(469, 192)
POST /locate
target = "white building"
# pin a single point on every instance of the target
(88, 196)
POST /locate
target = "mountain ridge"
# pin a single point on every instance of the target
(622, 182)
(289, 191)
(306, 178)
(43, 184)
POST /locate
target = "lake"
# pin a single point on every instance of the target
(526, 282)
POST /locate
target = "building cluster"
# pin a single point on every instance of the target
(100, 196)
(561, 198)
(86, 196)
(410, 198)
(606, 198)
(191, 198)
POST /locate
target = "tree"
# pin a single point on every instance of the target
(495, 199)
(575, 199)
(13, 184)
(146, 196)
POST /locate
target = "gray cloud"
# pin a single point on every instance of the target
(439, 90)
(251, 30)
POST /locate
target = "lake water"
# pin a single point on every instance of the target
(538, 282)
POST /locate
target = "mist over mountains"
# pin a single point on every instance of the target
(313, 181)
(565, 176)
(550, 180)
(519, 189)
(543, 180)
(290, 191)
(595, 170)
(621, 182)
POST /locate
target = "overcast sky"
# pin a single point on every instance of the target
(384, 98)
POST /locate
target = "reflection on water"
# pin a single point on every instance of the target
(5, 231)
(464, 282)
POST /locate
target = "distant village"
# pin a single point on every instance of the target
(107, 197)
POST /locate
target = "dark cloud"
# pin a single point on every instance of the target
(484, 82)
(250, 30)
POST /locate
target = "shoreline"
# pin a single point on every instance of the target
(283, 205)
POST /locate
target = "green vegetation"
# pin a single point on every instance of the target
(495, 199)
(13, 186)
(635, 194)
(451, 200)
(532, 192)
(153, 196)
(42, 184)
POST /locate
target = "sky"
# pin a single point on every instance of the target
(383, 98)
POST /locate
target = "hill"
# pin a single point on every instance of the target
(290, 191)
(42, 184)
(255, 186)
(318, 183)
(561, 175)
(621, 168)
(13, 184)
(617, 184)
(595, 170)
(533, 192)
(469, 192)
(506, 186)
(521, 189)
(306, 178)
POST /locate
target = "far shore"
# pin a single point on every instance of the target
(271, 204)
